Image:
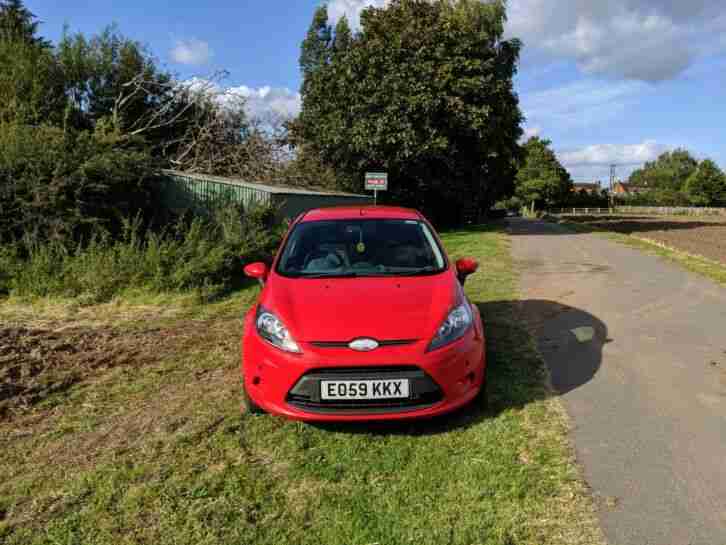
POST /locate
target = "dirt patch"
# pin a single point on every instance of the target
(706, 238)
(36, 364)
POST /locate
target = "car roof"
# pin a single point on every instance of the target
(361, 212)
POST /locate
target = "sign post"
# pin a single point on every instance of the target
(376, 181)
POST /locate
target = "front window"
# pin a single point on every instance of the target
(365, 247)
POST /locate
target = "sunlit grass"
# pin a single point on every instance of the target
(159, 454)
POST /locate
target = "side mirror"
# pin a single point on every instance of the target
(256, 270)
(464, 267)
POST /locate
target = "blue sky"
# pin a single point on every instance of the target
(617, 81)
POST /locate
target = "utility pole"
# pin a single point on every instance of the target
(613, 166)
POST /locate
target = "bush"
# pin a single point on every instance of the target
(707, 185)
(60, 185)
(8, 265)
(194, 254)
(656, 197)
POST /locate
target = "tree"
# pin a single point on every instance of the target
(343, 36)
(668, 172)
(56, 184)
(315, 50)
(18, 24)
(110, 76)
(110, 79)
(30, 86)
(69, 155)
(541, 178)
(706, 186)
(423, 92)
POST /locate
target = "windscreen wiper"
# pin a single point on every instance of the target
(347, 274)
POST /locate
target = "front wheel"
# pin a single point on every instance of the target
(250, 406)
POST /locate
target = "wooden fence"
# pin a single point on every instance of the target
(672, 210)
(642, 210)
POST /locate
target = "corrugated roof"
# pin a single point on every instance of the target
(273, 189)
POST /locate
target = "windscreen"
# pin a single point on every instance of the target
(366, 247)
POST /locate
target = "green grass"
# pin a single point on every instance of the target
(159, 454)
(694, 263)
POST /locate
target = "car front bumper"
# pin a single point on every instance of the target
(441, 381)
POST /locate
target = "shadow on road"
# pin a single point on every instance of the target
(569, 339)
(519, 334)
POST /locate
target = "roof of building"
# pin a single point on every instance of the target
(631, 187)
(586, 185)
(358, 212)
(267, 188)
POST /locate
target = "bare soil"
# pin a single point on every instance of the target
(695, 236)
(36, 364)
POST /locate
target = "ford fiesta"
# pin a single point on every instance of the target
(362, 317)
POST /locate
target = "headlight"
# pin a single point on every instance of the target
(271, 328)
(456, 324)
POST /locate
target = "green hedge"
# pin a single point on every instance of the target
(193, 254)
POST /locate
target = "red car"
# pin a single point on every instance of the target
(362, 317)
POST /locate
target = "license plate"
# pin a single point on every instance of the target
(363, 389)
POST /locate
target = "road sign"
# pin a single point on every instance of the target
(376, 181)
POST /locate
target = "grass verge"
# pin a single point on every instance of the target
(694, 263)
(149, 446)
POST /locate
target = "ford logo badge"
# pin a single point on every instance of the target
(363, 345)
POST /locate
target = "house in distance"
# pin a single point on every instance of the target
(591, 188)
(623, 189)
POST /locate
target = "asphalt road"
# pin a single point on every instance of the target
(636, 347)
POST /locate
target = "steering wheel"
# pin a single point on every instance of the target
(335, 261)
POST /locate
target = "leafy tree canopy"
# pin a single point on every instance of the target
(424, 92)
(109, 75)
(706, 186)
(30, 89)
(17, 23)
(668, 172)
(541, 178)
(315, 52)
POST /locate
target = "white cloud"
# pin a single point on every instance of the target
(192, 51)
(261, 102)
(619, 154)
(593, 162)
(265, 101)
(648, 40)
(529, 132)
(580, 104)
(351, 9)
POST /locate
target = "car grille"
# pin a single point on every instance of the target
(344, 344)
(423, 391)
